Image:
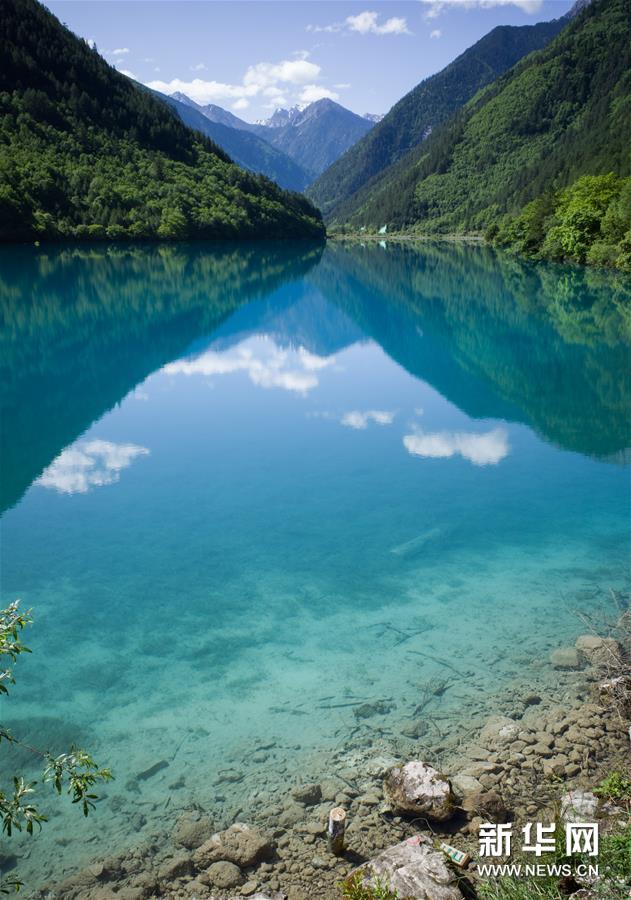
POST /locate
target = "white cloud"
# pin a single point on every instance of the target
(368, 23)
(342, 87)
(120, 51)
(91, 43)
(89, 464)
(242, 103)
(202, 91)
(365, 23)
(436, 7)
(480, 449)
(198, 68)
(312, 92)
(262, 79)
(436, 33)
(128, 73)
(265, 364)
(289, 71)
(359, 420)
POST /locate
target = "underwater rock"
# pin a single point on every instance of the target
(291, 815)
(191, 830)
(222, 875)
(152, 770)
(240, 844)
(419, 789)
(531, 700)
(331, 787)
(413, 869)
(8, 860)
(307, 794)
(415, 729)
(579, 806)
(368, 710)
(599, 651)
(565, 658)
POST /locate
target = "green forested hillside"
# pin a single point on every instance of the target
(426, 107)
(588, 222)
(561, 113)
(86, 154)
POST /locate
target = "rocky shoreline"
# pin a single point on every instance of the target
(527, 762)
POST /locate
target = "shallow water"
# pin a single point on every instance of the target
(248, 489)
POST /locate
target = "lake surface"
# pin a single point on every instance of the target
(263, 500)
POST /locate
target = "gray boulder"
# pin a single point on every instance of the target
(240, 844)
(565, 658)
(413, 869)
(222, 875)
(191, 830)
(579, 806)
(499, 730)
(417, 788)
(307, 794)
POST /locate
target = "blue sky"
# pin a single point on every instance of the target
(251, 56)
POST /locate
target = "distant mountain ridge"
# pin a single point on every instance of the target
(213, 112)
(281, 116)
(311, 135)
(424, 108)
(316, 135)
(244, 147)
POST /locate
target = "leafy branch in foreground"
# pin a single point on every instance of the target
(76, 770)
(12, 622)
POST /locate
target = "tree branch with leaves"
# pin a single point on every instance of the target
(74, 772)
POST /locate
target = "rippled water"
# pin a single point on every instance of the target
(248, 489)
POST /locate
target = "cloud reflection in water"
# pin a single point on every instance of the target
(89, 464)
(480, 449)
(266, 365)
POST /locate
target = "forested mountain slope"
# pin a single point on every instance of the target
(561, 113)
(426, 107)
(86, 154)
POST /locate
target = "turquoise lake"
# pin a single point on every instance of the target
(260, 497)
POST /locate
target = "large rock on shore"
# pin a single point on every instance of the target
(418, 789)
(413, 869)
(240, 844)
